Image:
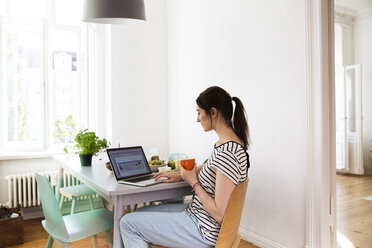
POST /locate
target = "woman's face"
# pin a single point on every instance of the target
(204, 119)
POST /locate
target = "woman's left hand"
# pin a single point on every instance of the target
(190, 176)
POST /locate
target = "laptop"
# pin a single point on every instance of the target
(130, 166)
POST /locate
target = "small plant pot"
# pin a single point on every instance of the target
(86, 159)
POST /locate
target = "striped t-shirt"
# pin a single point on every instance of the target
(233, 161)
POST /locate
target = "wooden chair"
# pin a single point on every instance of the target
(229, 234)
(70, 228)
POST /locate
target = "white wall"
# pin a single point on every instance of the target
(139, 81)
(348, 45)
(363, 51)
(344, 17)
(256, 51)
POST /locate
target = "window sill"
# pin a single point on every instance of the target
(27, 155)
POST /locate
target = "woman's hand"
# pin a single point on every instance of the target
(190, 176)
(172, 177)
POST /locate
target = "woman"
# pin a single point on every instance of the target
(198, 224)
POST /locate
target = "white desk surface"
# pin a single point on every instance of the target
(103, 181)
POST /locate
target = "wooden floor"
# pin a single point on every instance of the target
(354, 219)
(36, 237)
(354, 214)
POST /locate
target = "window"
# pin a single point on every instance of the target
(338, 45)
(43, 73)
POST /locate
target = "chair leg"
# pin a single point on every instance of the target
(91, 202)
(127, 208)
(61, 202)
(62, 244)
(73, 205)
(134, 208)
(50, 242)
(109, 237)
(95, 241)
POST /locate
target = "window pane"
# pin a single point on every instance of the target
(69, 12)
(23, 8)
(23, 81)
(340, 99)
(351, 99)
(66, 83)
(338, 45)
(35, 53)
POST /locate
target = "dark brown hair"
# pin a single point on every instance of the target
(221, 100)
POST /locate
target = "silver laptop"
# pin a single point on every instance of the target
(130, 166)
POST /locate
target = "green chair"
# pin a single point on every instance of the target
(73, 193)
(70, 228)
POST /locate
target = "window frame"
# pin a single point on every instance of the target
(87, 114)
(20, 146)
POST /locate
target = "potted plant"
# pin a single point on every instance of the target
(88, 144)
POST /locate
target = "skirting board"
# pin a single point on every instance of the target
(32, 213)
(258, 240)
(367, 170)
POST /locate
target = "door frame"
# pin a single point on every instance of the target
(321, 164)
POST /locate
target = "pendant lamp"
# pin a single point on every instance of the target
(114, 11)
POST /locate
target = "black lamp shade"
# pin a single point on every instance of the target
(114, 11)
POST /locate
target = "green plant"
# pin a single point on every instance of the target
(88, 143)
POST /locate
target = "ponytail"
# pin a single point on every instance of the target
(240, 124)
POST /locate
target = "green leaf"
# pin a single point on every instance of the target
(89, 143)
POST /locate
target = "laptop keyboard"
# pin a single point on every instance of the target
(135, 180)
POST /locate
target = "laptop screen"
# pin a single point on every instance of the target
(128, 162)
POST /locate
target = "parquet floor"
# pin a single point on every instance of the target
(36, 237)
(354, 219)
(354, 214)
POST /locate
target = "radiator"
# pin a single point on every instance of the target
(22, 188)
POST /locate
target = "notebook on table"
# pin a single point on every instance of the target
(130, 166)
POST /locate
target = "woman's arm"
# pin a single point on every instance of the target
(215, 207)
(174, 176)
(199, 168)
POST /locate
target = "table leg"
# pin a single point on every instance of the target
(118, 213)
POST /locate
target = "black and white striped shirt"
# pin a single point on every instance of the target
(233, 161)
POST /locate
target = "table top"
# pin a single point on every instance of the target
(103, 180)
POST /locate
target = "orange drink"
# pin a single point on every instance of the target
(188, 164)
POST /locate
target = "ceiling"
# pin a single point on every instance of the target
(356, 5)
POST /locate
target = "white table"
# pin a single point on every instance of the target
(104, 183)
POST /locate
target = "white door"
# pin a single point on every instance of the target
(349, 152)
(341, 135)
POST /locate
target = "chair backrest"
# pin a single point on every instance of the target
(231, 221)
(52, 214)
(178, 156)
